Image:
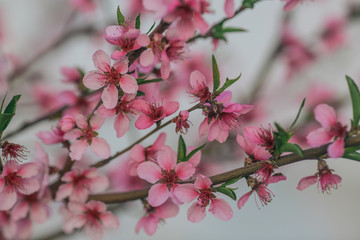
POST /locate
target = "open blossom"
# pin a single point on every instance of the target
(54, 136)
(91, 215)
(79, 183)
(85, 135)
(182, 122)
(127, 37)
(261, 136)
(17, 178)
(164, 176)
(331, 129)
(200, 90)
(127, 105)
(260, 188)
(201, 190)
(110, 78)
(255, 151)
(153, 215)
(12, 151)
(221, 116)
(325, 179)
(140, 154)
(154, 112)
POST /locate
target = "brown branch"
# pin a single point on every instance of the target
(312, 153)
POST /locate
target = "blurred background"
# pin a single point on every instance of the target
(39, 37)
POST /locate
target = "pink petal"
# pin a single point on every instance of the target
(137, 153)
(306, 182)
(27, 170)
(229, 8)
(110, 96)
(64, 191)
(77, 149)
(77, 207)
(196, 213)
(118, 55)
(318, 137)
(159, 142)
(147, 58)
(325, 115)
(167, 210)
(204, 127)
(184, 170)
(171, 107)
(197, 80)
(167, 158)
(244, 198)
(143, 40)
(20, 210)
(202, 182)
(128, 84)
(165, 66)
(30, 185)
(224, 97)
(195, 159)
(38, 213)
(73, 134)
(102, 61)
(104, 112)
(81, 121)
(186, 192)
(2, 183)
(149, 171)
(96, 122)
(79, 194)
(109, 220)
(150, 225)
(158, 194)
(94, 80)
(121, 125)
(99, 184)
(336, 149)
(100, 147)
(214, 130)
(121, 66)
(143, 122)
(291, 4)
(7, 199)
(200, 23)
(221, 209)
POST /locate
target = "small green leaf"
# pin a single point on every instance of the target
(181, 150)
(9, 112)
(352, 155)
(281, 137)
(143, 81)
(233, 29)
(227, 84)
(140, 93)
(151, 28)
(137, 21)
(231, 181)
(249, 3)
(192, 153)
(120, 17)
(2, 103)
(355, 100)
(290, 147)
(227, 191)
(216, 74)
(352, 149)
(298, 114)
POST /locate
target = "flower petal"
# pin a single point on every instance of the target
(221, 209)
(325, 115)
(100, 147)
(306, 182)
(244, 198)
(336, 149)
(110, 96)
(102, 61)
(128, 84)
(186, 192)
(94, 80)
(167, 158)
(196, 213)
(158, 194)
(149, 171)
(77, 149)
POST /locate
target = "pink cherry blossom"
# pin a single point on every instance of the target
(334, 33)
(253, 150)
(79, 183)
(260, 188)
(85, 135)
(325, 179)
(164, 176)
(221, 116)
(127, 105)
(154, 112)
(153, 215)
(261, 136)
(199, 86)
(110, 78)
(331, 129)
(201, 190)
(182, 122)
(140, 154)
(14, 179)
(91, 216)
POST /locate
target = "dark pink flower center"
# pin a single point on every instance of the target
(175, 50)
(169, 177)
(150, 154)
(338, 130)
(266, 137)
(213, 110)
(88, 134)
(112, 77)
(205, 196)
(14, 181)
(13, 151)
(203, 94)
(155, 112)
(123, 107)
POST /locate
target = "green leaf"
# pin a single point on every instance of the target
(5, 118)
(181, 150)
(216, 74)
(281, 137)
(231, 181)
(290, 147)
(120, 17)
(355, 100)
(298, 114)
(151, 28)
(140, 93)
(137, 21)
(249, 3)
(233, 29)
(227, 191)
(142, 81)
(2, 103)
(192, 153)
(227, 84)
(353, 156)
(352, 149)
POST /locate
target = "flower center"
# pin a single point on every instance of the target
(205, 196)
(112, 77)
(213, 110)
(338, 130)
(156, 112)
(14, 181)
(169, 178)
